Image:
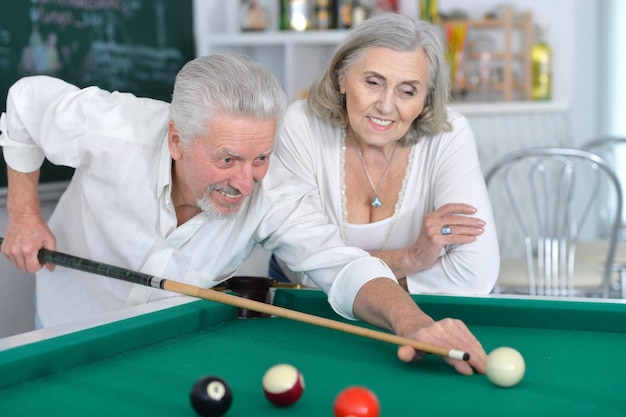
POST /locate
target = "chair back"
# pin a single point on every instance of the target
(547, 198)
(612, 150)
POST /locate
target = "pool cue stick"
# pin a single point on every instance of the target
(86, 265)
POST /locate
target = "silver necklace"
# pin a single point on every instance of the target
(344, 203)
(376, 201)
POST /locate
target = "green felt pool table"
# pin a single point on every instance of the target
(146, 365)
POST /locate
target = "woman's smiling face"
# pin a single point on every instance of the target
(385, 92)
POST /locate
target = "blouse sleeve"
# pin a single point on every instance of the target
(309, 148)
(457, 178)
(293, 149)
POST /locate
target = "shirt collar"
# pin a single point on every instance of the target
(164, 180)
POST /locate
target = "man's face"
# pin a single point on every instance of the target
(219, 170)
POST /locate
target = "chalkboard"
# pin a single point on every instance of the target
(135, 46)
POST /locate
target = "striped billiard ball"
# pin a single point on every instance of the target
(283, 384)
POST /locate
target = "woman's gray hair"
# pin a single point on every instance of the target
(400, 33)
(230, 83)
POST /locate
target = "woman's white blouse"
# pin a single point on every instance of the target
(443, 169)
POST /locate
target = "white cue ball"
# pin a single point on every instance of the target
(505, 367)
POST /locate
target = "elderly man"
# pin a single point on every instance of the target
(183, 190)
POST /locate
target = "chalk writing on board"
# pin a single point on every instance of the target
(111, 54)
(135, 46)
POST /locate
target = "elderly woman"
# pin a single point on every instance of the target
(395, 168)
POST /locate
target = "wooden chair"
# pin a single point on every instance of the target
(545, 200)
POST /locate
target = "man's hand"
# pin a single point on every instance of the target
(452, 334)
(383, 303)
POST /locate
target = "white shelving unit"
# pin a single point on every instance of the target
(295, 58)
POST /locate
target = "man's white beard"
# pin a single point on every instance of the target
(209, 209)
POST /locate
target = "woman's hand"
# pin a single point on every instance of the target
(451, 224)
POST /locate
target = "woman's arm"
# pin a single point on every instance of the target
(426, 250)
(453, 194)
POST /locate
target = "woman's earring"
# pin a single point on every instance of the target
(342, 100)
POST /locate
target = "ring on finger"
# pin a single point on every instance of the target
(446, 230)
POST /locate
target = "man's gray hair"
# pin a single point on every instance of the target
(229, 83)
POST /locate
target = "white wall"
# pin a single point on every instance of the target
(612, 64)
(585, 67)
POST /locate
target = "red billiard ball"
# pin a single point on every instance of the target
(356, 401)
(283, 384)
(211, 396)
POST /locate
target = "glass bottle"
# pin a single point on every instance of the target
(252, 16)
(285, 13)
(343, 13)
(299, 18)
(295, 15)
(541, 58)
(323, 16)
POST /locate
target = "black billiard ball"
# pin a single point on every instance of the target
(211, 396)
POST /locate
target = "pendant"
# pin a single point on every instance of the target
(376, 202)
